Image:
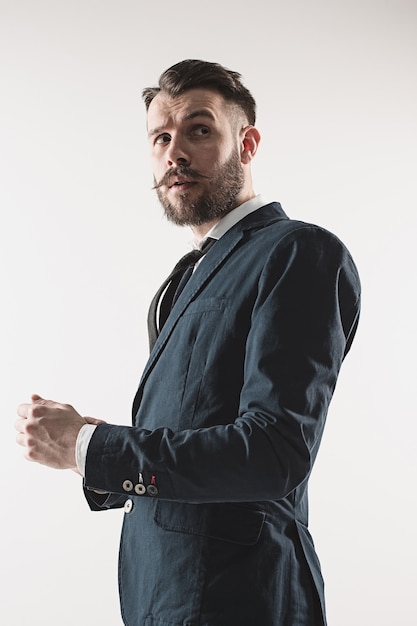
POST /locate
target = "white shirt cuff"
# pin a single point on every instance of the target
(81, 446)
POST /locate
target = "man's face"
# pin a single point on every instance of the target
(195, 155)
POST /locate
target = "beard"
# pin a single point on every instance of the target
(216, 199)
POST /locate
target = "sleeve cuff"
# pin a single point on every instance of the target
(81, 446)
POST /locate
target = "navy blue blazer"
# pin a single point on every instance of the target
(227, 422)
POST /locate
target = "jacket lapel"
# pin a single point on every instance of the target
(211, 262)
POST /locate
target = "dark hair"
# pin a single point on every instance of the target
(191, 74)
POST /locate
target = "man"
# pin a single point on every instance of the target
(232, 403)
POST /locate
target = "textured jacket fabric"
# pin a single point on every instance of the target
(227, 421)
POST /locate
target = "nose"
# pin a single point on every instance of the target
(176, 153)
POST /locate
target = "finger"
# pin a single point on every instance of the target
(40, 406)
(21, 439)
(20, 425)
(23, 410)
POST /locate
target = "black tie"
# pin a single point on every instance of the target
(172, 287)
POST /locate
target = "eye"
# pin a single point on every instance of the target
(163, 139)
(200, 131)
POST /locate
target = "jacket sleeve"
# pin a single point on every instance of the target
(302, 323)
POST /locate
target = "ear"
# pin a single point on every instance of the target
(249, 141)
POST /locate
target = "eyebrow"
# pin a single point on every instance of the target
(199, 113)
(186, 118)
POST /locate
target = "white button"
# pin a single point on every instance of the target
(128, 485)
(128, 506)
(140, 489)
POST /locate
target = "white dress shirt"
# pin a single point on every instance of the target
(217, 231)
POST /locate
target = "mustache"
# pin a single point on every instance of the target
(181, 170)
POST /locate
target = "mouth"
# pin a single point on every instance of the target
(181, 184)
(180, 178)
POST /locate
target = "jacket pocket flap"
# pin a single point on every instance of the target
(226, 522)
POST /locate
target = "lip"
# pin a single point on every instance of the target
(181, 184)
(178, 181)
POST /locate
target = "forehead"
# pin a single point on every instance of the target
(165, 110)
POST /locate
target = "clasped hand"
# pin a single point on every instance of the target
(48, 431)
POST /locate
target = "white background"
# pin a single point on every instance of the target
(83, 246)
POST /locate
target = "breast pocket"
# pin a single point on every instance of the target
(197, 336)
(202, 306)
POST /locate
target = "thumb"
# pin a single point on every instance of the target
(36, 398)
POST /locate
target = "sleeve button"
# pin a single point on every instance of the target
(128, 506)
(127, 485)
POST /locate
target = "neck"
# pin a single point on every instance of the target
(199, 231)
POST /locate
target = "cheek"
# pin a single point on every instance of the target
(157, 166)
(210, 159)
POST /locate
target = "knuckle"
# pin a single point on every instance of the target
(36, 411)
(30, 428)
(30, 442)
(30, 454)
